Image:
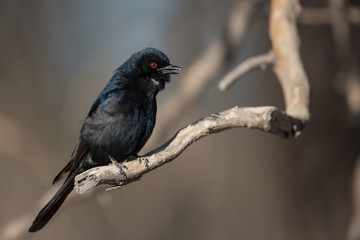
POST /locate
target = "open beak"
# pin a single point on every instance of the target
(171, 69)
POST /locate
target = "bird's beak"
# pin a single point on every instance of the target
(171, 69)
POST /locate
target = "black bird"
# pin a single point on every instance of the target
(118, 124)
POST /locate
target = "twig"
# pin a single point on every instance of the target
(289, 68)
(203, 71)
(268, 119)
(286, 58)
(245, 67)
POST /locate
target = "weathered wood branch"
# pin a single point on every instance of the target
(268, 119)
(289, 68)
(201, 74)
(292, 78)
(245, 67)
(285, 56)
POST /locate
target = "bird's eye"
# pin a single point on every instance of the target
(153, 65)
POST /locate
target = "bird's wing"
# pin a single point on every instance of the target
(95, 105)
(81, 148)
(111, 87)
(77, 155)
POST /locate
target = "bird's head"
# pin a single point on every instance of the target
(154, 68)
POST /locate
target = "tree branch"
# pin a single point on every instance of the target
(268, 119)
(203, 71)
(245, 67)
(322, 16)
(289, 68)
(292, 78)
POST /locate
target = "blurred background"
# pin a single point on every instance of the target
(56, 56)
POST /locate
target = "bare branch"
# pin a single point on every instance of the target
(202, 72)
(348, 76)
(341, 33)
(245, 67)
(268, 119)
(289, 68)
(322, 16)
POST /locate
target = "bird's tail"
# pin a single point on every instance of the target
(53, 205)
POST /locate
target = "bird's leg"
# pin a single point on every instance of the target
(119, 166)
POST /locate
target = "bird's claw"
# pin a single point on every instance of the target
(145, 161)
(119, 166)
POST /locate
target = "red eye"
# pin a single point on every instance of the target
(153, 65)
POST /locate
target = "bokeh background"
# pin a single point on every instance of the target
(56, 56)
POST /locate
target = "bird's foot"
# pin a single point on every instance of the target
(145, 161)
(119, 166)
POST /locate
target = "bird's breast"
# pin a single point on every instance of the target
(120, 130)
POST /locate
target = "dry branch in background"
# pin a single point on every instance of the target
(245, 67)
(203, 71)
(348, 66)
(268, 119)
(285, 56)
(289, 69)
(348, 75)
(321, 16)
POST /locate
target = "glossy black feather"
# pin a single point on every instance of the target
(119, 122)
